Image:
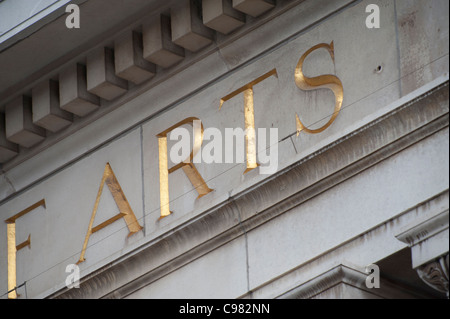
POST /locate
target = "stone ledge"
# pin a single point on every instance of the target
(379, 240)
(424, 229)
(343, 274)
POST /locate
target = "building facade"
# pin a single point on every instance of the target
(224, 149)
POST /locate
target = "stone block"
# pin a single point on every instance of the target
(199, 279)
(253, 8)
(188, 30)
(7, 149)
(129, 60)
(158, 46)
(19, 123)
(220, 16)
(73, 94)
(423, 37)
(46, 110)
(101, 75)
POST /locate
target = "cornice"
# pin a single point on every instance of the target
(78, 92)
(343, 274)
(197, 71)
(425, 229)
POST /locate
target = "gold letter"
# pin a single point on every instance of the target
(249, 116)
(121, 201)
(188, 167)
(324, 81)
(13, 249)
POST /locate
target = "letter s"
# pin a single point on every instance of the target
(327, 81)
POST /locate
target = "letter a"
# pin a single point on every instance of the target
(373, 19)
(124, 207)
(73, 19)
(373, 279)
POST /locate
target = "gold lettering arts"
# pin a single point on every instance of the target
(323, 81)
(125, 210)
(13, 249)
(249, 116)
(188, 167)
(330, 82)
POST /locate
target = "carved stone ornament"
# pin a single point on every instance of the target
(435, 274)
